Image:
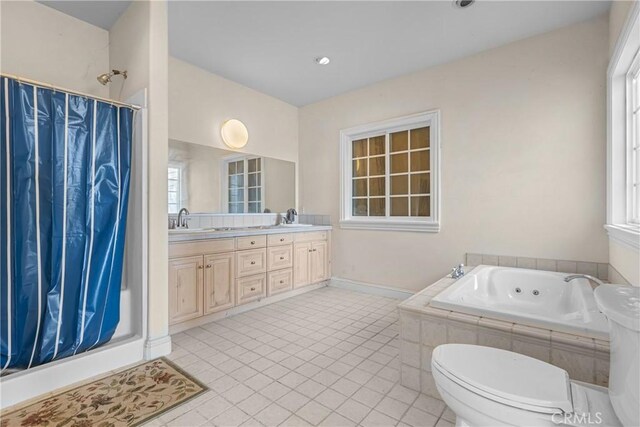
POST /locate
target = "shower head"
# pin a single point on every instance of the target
(106, 77)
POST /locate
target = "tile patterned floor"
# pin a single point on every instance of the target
(328, 357)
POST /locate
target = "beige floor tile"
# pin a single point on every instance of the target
(367, 397)
(272, 415)
(353, 410)
(313, 412)
(378, 419)
(336, 420)
(272, 366)
(417, 418)
(391, 407)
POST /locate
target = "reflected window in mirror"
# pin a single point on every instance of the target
(174, 186)
(244, 185)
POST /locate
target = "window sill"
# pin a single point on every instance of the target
(628, 235)
(390, 225)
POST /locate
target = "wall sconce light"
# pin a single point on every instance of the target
(234, 133)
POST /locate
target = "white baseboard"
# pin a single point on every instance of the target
(157, 347)
(174, 329)
(28, 384)
(370, 288)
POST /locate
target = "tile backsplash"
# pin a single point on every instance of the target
(202, 220)
(314, 219)
(596, 269)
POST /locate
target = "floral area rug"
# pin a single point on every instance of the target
(127, 398)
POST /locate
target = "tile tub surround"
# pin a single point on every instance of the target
(424, 327)
(596, 269)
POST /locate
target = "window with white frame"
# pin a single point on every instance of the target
(623, 135)
(174, 185)
(244, 185)
(390, 174)
(633, 144)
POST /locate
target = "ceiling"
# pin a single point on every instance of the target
(271, 46)
(101, 13)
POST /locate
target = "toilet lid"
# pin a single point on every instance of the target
(507, 377)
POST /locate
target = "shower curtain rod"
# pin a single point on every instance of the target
(73, 92)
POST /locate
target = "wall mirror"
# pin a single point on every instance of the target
(204, 179)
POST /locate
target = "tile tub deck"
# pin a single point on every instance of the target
(423, 327)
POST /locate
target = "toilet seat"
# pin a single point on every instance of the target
(509, 378)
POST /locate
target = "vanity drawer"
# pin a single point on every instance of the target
(279, 281)
(310, 236)
(251, 262)
(251, 242)
(279, 239)
(251, 288)
(279, 257)
(179, 250)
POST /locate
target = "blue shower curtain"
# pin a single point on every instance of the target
(65, 165)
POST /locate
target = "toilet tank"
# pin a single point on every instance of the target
(621, 305)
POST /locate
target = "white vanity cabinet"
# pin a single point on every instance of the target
(185, 288)
(311, 258)
(201, 278)
(219, 276)
(279, 263)
(213, 275)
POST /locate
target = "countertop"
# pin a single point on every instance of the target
(210, 233)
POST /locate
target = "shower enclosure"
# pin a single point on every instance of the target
(67, 165)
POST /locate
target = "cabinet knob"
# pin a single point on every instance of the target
(208, 265)
(281, 281)
(253, 242)
(282, 239)
(253, 262)
(253, 289)
(310, 250)
(314, 250)
(200, 267)
(281, 257)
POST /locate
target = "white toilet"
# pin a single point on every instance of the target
(485, 386)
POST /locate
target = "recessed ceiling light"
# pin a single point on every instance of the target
(462, 4)
(322, 60)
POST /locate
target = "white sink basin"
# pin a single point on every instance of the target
(295, 225)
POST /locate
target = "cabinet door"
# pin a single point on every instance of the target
(301, 256)
(219, 276)
(185, 288)
(318, 263)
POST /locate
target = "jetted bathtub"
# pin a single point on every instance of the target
(537, 298)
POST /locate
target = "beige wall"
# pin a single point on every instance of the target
(199, 102)
(40, 43)
(279, 184)
(129, 50)
(617, 17)
(523, 158)
(202, 189)
(624, 260)
(140, 45)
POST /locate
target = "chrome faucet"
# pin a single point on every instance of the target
(182, 218)
(457, 272)
(291, 216)
(595, 280)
